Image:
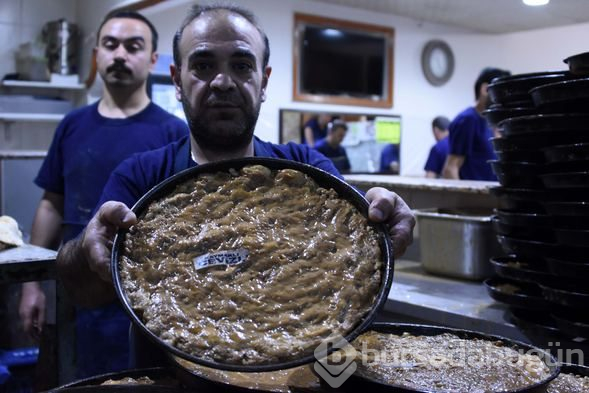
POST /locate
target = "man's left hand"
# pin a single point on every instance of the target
(387, 207)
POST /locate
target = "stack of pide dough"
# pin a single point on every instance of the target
(10, 235)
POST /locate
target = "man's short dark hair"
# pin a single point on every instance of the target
(335, 124)
(198, 9)
(486, 76)
(441, 122)
(130, 15)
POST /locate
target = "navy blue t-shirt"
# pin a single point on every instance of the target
(388, 155)
(86, 148)
(141, 172)
(318, 131)
(437, 156)
(337, 155)
(469, 137)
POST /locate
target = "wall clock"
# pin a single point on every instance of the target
(437, 61)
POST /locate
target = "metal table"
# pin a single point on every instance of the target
(33, 263)
(27, 263)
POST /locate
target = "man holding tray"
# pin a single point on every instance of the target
(221, 73)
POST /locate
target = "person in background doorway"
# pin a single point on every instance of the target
(315, 129)
(389, 159)
(439, 152)
(331, 146)
(470, 148)
(88, 144)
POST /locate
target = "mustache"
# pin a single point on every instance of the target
(227, 100)
(118, 67)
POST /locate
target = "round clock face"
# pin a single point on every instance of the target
(437, 62)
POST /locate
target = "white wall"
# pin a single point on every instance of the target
(21, 21)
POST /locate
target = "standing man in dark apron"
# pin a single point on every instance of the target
(88, 144)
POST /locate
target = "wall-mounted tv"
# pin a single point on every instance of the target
(342, 62)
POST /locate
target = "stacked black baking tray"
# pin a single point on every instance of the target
(543, 169)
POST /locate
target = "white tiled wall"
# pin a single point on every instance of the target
(21, 21)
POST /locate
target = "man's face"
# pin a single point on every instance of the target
(484, 97)
(221, 81)
(124, 53)
(339, 133)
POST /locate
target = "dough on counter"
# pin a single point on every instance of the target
(10, 235)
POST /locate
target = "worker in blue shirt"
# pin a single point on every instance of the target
(439, 152)
(470, 147)
(331, 146)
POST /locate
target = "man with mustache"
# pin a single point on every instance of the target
(88, 144)
(221, 73)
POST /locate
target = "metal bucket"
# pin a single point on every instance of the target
(61, 39)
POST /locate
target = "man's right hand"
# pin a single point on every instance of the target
(83, 264)
(99, 234)
(32, 309)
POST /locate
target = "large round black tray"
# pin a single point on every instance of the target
(514, 268)
(572, 295)
(514, 90)
(358, 381)
(522, 231)
(323, 179)
(163, 377)
(529, 296)
(538, 249)
(535, 323)
(520, 199)
(204, 379)
(497, 114)
(578, 64)
(569, 96)
(572, 269)
(562, 128)
(566, 180)
(515, 174)
(572, 152)
(572, 323)
(568, 208)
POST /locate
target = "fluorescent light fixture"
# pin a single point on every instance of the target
(534, 3)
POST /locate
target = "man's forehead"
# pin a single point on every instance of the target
(125, 27)
(221, 27)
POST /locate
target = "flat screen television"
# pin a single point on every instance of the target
(342, 62)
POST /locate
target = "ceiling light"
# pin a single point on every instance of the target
(535, 2)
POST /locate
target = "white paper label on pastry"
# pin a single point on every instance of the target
(227, 258)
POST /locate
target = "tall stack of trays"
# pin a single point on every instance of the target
(543, 220)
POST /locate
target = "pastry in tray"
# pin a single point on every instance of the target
(445, 362)
(250, 267)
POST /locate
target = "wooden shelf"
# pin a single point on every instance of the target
(31, 117)
(43, 85)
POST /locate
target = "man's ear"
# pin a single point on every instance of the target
(265, 77)
(153, 60)
(175, 73)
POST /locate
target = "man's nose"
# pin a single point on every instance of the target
(222, 81)
(120, 53)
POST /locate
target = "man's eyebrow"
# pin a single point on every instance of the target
(200, 53)
(245, 54)
(132, 38)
